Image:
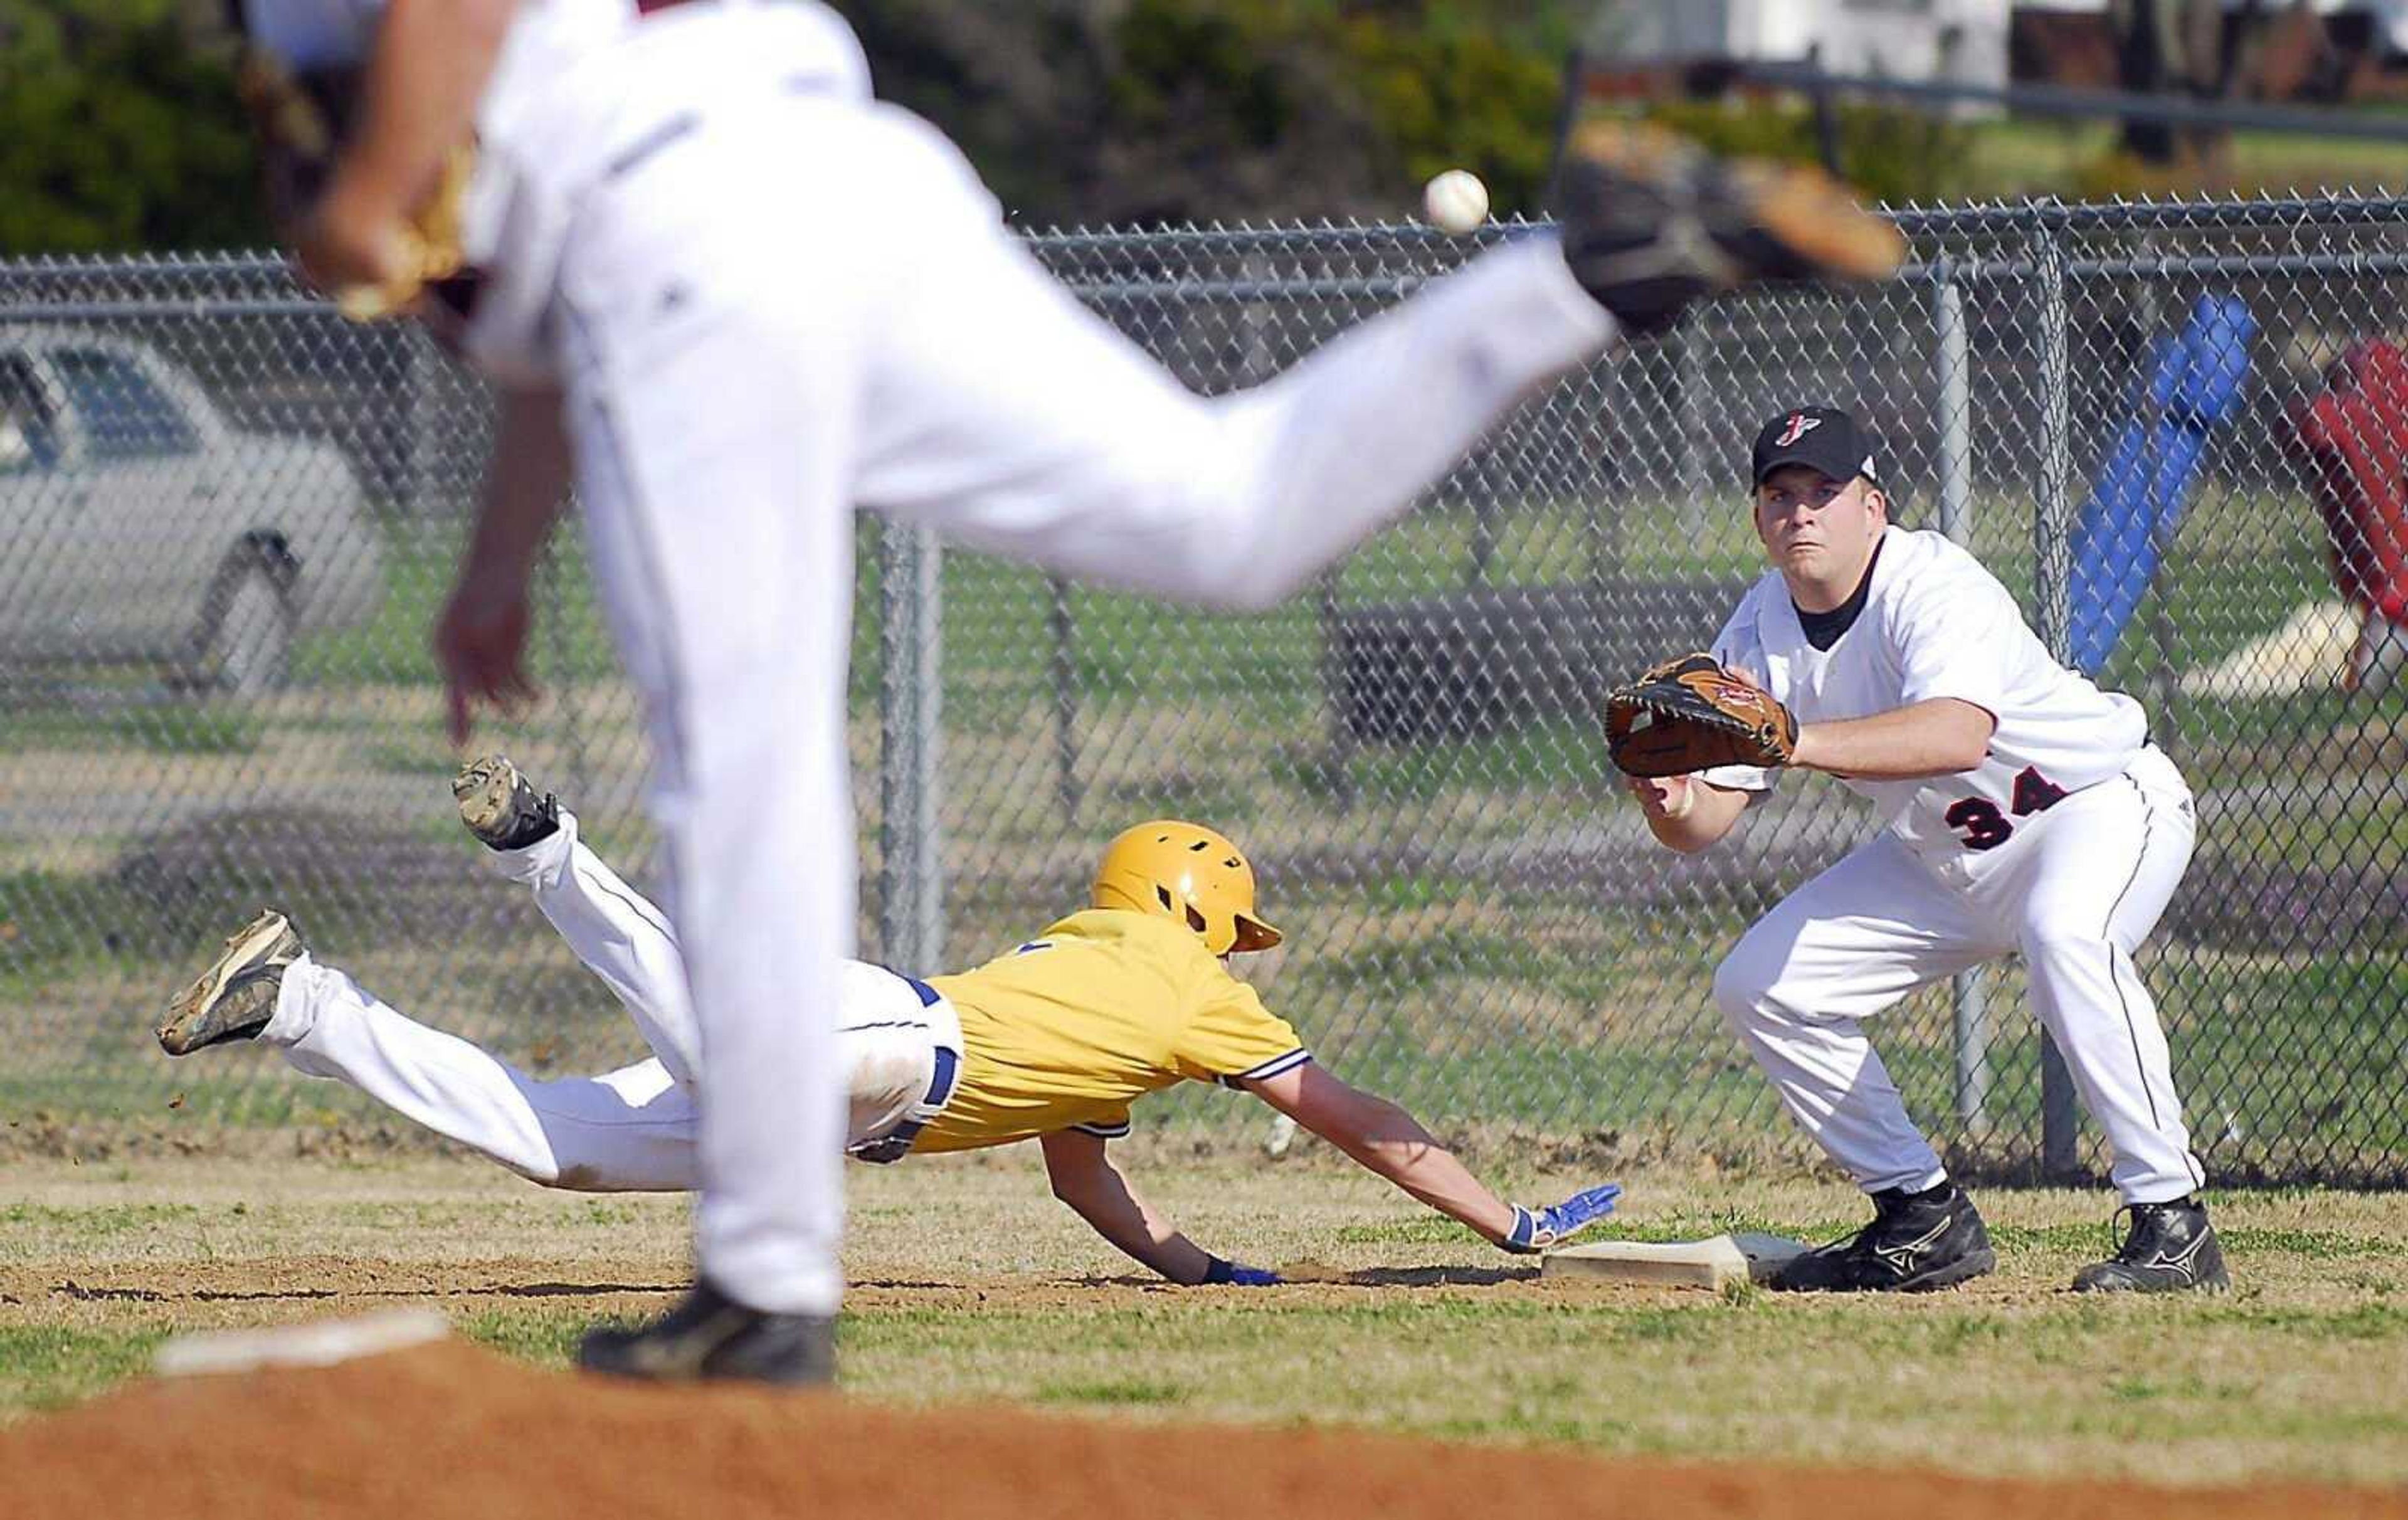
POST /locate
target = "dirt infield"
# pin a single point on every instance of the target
(451, 1430)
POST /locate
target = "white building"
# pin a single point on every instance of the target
(1962, 41)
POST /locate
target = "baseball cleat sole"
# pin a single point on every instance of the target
(500, 806)
(235, 996)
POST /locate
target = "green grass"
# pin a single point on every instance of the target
(2010, 159)
(972, 1285)
(190, 726)
(51, 1366)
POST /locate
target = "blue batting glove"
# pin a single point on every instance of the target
(1535, 1232)
(1237, 1274)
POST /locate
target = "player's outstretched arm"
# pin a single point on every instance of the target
(1388, 1140)
(1081, 1170)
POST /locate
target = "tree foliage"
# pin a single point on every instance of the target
(117, 131)
(1119, 110)
(1887, 154)
(119, 127)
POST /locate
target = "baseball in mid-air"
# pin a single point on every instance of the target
(1455, 202)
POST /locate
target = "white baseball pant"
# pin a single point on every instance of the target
(2075, 890)
(631, 1129)
(751, 355)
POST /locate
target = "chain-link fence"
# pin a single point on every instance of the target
(226, 520)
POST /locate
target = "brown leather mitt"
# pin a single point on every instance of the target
(1690, 714)
(301, 120)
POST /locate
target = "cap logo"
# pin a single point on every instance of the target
(1799, 425)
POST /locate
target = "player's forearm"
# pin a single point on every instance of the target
(525, 485)
(432, 61)
(1082, 1176)
(1130, 1225)
(1938, 738)
(1713, 814)
(1391, 1142)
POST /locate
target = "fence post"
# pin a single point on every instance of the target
(912, 902)
(2052, 574)
(1967, 991)
(1689, 423)
(1064, 670)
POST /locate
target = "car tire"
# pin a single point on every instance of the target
(247, 636)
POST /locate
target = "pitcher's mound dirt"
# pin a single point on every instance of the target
(450, 1430)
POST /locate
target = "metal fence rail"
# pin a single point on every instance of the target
(218, 568)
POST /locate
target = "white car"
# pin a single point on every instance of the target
(137, 525)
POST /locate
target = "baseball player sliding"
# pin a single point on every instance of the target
(734, 297)
(1050, 1043)
(2027, 811)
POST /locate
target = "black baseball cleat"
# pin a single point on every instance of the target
(500, 808)
(1918, 1241)
(233, 999)
(2171, 1248)
(709, 1336)
(1652, 221)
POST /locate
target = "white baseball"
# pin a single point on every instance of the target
(1455, 202)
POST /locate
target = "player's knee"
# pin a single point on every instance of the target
(2057, 942)
(1743, 986)
(537, 1167)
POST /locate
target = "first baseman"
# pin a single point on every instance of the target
(1049, 1042)
(734, 297)
(2026, 810)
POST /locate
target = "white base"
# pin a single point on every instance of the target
(321, 1344)
(1714, 1263)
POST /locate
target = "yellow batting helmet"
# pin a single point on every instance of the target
(1188, 874)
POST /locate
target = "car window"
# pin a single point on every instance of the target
(125, 416)
(29, 429)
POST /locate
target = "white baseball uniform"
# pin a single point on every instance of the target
(2065, 844)
(897, 1043)
(772, 300)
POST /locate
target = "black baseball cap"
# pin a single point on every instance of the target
(1820, 437)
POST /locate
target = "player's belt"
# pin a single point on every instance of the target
(949, 1061)
(940, 1086)
(895, 1142)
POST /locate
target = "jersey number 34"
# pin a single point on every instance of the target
(1979, 819)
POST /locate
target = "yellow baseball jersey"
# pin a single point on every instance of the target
(1104, 1007)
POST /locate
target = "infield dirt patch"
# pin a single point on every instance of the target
(451, 1430)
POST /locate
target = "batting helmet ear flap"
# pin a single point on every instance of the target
(1188, 874)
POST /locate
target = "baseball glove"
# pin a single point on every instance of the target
(1691, 714)
(302, 120)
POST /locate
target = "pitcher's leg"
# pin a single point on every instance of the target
(712, 446)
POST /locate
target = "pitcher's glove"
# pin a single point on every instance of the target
(1691, 714)
(302, 120)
